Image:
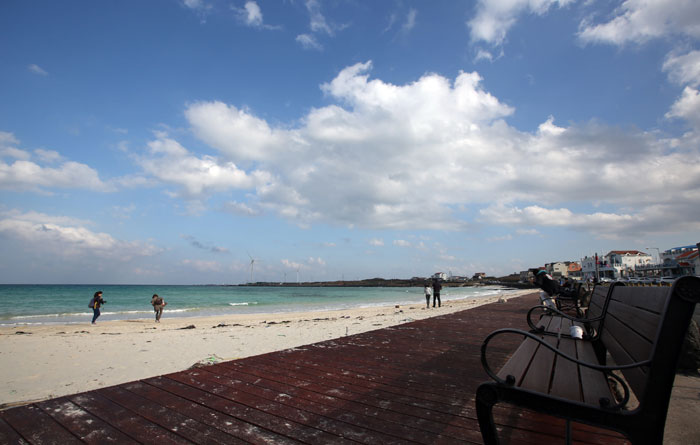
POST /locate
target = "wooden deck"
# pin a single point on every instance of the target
(413, 383)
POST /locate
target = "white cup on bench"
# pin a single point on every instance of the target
(576, 332)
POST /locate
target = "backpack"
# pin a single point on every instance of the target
(91, 304)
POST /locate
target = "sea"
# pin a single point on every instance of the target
(60, 304)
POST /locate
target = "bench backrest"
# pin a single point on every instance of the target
(598, 304)
(649, 323)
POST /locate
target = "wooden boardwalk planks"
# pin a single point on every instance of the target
(413, 383)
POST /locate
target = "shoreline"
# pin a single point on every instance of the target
(256, 304)
(52, 360)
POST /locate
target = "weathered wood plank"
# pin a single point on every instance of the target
(37, 427)
(565, 379)
(84, 425)
(126, 421)
(228, 424)
(594, 385)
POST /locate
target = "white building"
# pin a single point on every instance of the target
(625, 262)
(560, 269)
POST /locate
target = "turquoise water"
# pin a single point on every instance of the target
(41, 304)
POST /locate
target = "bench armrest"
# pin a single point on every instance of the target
(510, 380)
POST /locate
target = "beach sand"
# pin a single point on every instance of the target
(40, 362)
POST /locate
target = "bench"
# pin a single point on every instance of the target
(555, 322)
(641, 331)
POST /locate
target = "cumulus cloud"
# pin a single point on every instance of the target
(418, 155)
(68, 237)
(194, 177)
(21, 170)
(401, 243)
(638, 21)
(494, 18)
(684, 69)
(687, 107)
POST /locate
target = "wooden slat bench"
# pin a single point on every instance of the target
(642, 330)
(555, 322)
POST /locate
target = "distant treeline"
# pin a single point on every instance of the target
(381, 282)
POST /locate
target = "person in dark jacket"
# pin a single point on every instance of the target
(95, 304)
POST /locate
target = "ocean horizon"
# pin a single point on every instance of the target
(37, 304)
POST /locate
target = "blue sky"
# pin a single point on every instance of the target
(171, 141)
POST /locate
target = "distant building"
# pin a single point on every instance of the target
(440, 275)
(672, 253)
(479, 276)
(574, 270)
(626, 262)
(558, 269)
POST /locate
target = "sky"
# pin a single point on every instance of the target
(179, 141)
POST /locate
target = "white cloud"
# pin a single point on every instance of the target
(376, 242)
(415, 156)
(687, 107)
(401, 243)
(254, 15)
(237, 133)
(410, 22)
(24, 174)
(48, 156)
(251, 15)
(637, 21)
(196, 177)
(67, 237)
(36, 69)
(308, 41)
(684, 69)
(193, 4)
(494, 18)
(241, 208)
(292, 264)
(316, 261)
(318, 21)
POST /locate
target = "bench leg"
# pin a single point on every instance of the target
(486, 397)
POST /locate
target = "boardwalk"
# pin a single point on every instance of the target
(413, 383)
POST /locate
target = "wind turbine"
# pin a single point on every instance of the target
(252, 263)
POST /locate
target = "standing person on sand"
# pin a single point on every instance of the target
(158, 305)
(436, 292)
(95, 304)
(428, 292)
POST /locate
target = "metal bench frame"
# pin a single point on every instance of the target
(643, 424)
(592, 323)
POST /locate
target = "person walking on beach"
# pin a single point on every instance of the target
(436, 292)
(158, 305)
(95, 304)
(428, 292)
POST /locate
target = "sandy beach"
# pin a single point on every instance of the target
(47, 361)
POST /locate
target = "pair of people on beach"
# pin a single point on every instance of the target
(434, 291)
(97, 301)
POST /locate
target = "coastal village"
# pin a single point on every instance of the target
(655, 267)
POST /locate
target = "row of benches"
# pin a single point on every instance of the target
(632, 340)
